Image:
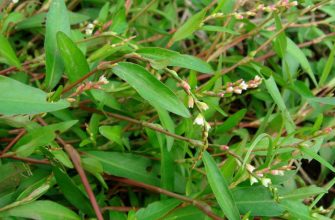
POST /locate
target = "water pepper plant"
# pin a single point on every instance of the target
(167, 109)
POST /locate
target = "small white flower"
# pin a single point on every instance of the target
(15, 1)
(230, 89)
(250, 168)
(260, 7)
(260, 174)
(250, 13)
(199, 120)
(203, 106)
(95, 22)
(237, 90)
(238, 16)
(243, 85)
(190, 102)
(103, 80)
(207, 126)
(266, 182)
(280, 173)
(253, 180)
(294, 3)
(257, 78)
(88, 31)
(90, 26)
(277, 172)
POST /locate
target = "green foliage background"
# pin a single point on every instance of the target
(159, 109)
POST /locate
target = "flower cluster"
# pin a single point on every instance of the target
(283, 4)
(90, 85)
(260, 173)
(265, 181)
(90, 27)
(200, 120)
(239, 86)
(276, 7)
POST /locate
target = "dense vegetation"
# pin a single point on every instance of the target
(167, 109)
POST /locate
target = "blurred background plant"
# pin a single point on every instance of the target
(157, 109)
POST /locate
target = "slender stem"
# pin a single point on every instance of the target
(75, 158)
(142, 11)
(25, 159)
(144, 124)
(71, 86)
(194, 142)
(11, 144)
(119, 208)
(200, 205)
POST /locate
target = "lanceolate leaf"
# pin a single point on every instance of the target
(254, 199)
(71, 192)
(296, 52)
(280, 42)
(126, 165)
(75, 63)
(7, 52)
(57, 20)
(173, 58)
(220, 188)
(231, 121)
(274, 92)
(157, 210)
(150, 88)
(42, 209)
(40, 137)
(304, 192)
(191, 25)
(318, 158)
(23, 99)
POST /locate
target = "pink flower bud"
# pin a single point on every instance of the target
(224, 147)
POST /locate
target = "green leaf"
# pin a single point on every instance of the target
(254, 199)
(168, 123)
(7, 52)
(10, 176)
(126, 165)
(186, 213)
(24, 99)
(295, 51)
(157, 210)
(173, 58)
(41, 210)
(113, 133)
(328, 66)
(37, 21)
(103, 14)
(71, 191)
(95, 168)
(318, 158)
(150, 88)
(220, 188)
(258, 139)
(39, 137)
(57, 20)
(74, 60)
(275, 94)
(297, 210)
(231, 122)
(191, 25)
(281, 41)
(219, 29)
(322, 100)
(302, 193)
